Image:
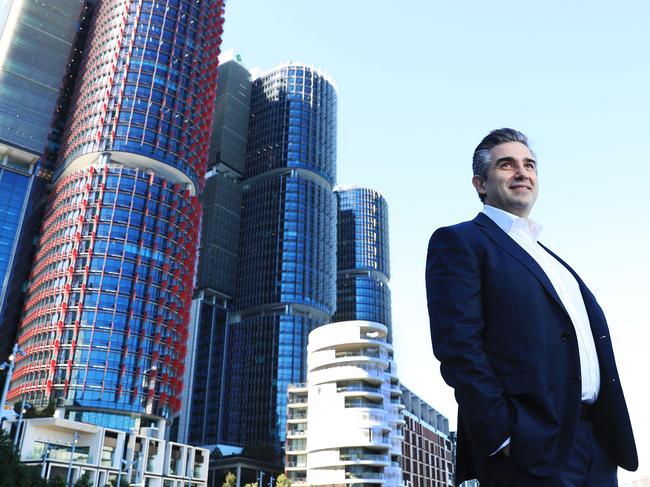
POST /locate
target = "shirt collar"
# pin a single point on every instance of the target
(512, 223)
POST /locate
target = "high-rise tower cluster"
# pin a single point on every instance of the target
(269, 194)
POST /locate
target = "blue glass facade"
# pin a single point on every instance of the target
(105, 324)
(287, 259)
(17, 195)
(205, 400)
(14, 188)
(149, 81)
(363, 262)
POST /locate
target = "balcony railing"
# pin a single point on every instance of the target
(364, 475)
(297, 432)
(358, 353)
(363, 457)
(297, 399)
(355, 388)
(297, 416)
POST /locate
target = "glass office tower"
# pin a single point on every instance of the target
(287, 261)
(37, 57)
(363, 261)
(105, 323)
(200, 421)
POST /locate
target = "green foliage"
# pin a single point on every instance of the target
(230, 481)
(14, 473)
(282, 481)
(46, 412)
(123, 483)
(31, 476)
(56, 481)
(84, 481)
(254, 484)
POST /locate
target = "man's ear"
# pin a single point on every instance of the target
(479, 184)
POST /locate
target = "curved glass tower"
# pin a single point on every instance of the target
(363, 262)
(105, 322)
(287, 262)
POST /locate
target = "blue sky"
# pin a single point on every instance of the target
(421, 82)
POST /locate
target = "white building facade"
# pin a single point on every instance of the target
(352, 426)
(63, 447)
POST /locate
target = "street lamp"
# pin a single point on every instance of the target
(9, 364)
(74, 443)
(126, 465)
(46, 453)
(24, 407)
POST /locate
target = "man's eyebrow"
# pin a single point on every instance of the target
(512, 159)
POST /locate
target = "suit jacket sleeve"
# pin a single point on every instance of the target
(454, 296)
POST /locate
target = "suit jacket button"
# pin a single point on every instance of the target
(576, 380)
(565, 337)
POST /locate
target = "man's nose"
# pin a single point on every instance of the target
(520, 172)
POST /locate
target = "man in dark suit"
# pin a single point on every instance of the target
(522, 341)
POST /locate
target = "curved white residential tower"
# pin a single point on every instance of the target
(354, 422)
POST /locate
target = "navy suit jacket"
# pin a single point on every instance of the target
(508, 349)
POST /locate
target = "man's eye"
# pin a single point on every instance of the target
(530, 166)
(506, 164)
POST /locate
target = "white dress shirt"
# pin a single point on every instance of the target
(525, 232)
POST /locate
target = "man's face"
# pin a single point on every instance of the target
(511, 183)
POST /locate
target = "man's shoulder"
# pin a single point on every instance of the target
(464, 231)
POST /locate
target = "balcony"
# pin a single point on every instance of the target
(296, 432)
(367, 352)
(364, 475)
(353, 402)
(358, 388)
(296, 416)
(297, 401)
(364, 457)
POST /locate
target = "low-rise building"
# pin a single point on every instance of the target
(345, 427)
(63, 447)
(427, 449)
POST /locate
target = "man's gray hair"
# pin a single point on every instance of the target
(482, 159)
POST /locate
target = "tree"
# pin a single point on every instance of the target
(14, 473)
(282, 481)
(84, 481)
(46, 412)
(56, 481)
(31, 475)
(230, 481)
(123, 483)
(9, 462)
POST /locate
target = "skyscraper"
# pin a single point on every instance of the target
(38, 54)
(105, 321)
(363, 263)
(200, 421)
(287, 261)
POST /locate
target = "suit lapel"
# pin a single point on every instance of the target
(515, 250)
(595, 314)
